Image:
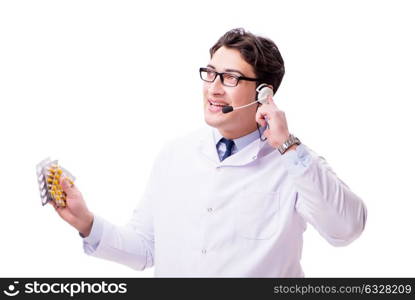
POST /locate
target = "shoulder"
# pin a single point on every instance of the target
(190, 138)
(186, 141)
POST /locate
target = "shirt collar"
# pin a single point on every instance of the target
(241, 142)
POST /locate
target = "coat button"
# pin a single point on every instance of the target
(210, 209)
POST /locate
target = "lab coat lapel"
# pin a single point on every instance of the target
(207, 146)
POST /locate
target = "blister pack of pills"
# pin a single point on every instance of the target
(49, 174)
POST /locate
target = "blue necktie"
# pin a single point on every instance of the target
(229, 145)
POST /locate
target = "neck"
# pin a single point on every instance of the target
(233, 134)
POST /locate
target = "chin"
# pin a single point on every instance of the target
(212, 122)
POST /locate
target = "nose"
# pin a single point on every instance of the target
(216, 87)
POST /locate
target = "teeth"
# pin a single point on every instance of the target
(217, 104)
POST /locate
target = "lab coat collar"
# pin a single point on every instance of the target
(240, 142)
(248, 154)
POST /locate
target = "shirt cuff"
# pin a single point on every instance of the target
(95, 235)
(297, 160)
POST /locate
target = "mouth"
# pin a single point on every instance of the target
(217, 103)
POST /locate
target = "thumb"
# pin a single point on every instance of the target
(68, 187)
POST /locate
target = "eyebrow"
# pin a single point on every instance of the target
(228, 70)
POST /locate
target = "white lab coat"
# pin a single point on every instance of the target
(243, 217)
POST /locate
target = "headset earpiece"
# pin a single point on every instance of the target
(263, 92)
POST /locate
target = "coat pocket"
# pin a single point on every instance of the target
(256, 214)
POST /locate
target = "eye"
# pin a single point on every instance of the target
(210, 73)
(230, 78)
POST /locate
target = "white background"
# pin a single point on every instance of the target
(102, 85)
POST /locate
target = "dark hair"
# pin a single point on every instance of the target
(260, 52)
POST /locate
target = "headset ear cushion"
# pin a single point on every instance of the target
(263, 94)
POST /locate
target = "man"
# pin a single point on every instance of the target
(232, 199)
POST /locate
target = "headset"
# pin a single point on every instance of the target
(263, 91)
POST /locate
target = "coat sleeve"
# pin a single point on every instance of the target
(323, 200)
(133, 243)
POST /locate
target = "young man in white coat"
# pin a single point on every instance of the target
(232, 199)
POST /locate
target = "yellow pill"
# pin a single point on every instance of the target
(59, 171)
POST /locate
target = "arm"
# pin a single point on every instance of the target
(131, 244)
(323, 199)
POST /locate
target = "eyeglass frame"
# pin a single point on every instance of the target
(221, 77)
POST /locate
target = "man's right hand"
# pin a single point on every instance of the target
(76, 213)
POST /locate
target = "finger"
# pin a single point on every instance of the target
(266, 133)
(64, 178)
(68, 187)
(261, 121)
(260, 118)
(272, 102)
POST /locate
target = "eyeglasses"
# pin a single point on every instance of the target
(227, 79)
